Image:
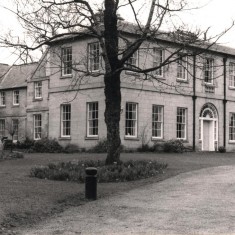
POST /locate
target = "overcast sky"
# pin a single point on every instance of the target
(216, 14)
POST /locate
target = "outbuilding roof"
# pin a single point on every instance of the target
(17, 75)
(3, 70)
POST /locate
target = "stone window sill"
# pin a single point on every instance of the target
(66, 76)
(91, 137)
(134, 138)
(65, 138)
(182, 80)
(37, 99)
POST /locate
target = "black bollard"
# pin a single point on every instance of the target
(91, 183)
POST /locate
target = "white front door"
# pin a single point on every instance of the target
(208, 135)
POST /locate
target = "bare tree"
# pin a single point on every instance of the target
(12, 127)
(49, 20)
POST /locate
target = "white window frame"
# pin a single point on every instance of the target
(92, 119)
(232, 74)
(133, 61)
(2, 127)
(16, 97)
(94, 59)
(182, 67)
(38, 90)
(65, 120)
(131, 121)
(208, 70)
(66, 60)
(37, 126)
(157, 118)
(2, 98)
(181, 121)
(232, 127)
(158, 58)
(15, 125)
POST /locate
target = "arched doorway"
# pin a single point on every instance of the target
(208, 127)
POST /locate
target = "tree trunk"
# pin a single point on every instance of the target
(112, 82)
(112, 117)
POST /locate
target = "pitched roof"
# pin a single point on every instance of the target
(3, 70)
(17, 75)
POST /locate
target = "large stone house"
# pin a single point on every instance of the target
(193, 98)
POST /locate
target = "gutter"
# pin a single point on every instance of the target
(224, 101)
(194, 97)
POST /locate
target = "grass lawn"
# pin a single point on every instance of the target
(25, 200)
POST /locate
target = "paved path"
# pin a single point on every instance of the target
(199, 202)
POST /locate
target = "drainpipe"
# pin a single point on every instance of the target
(224, 100)
(194, 97)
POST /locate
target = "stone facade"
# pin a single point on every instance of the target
(192, 109)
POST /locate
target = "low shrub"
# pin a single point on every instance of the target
(222, 149)
(26, 144)
(46, 145)
(8, 144)
(144, 148)
(15, 154)
(173, 146)
(71, 148)
(158, 147)
(100, 147)
(126, 171)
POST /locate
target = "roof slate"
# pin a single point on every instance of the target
(17, 76)
(3, 70)
(129, 28)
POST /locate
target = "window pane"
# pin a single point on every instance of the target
(92, 122)
(2, 98)
(94, 56)
(157, 60)
(37, 126)
(66, 120)
(131, 119)
(232, 126)
(2, 128)
(181, 67)
(66, 61)
(15, 97)
(181, 123)
(157, 121)
(132, 62)
(15, 126)
(208, 70)
(38, 89)
(232, 74)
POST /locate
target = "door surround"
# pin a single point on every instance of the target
(209, 117)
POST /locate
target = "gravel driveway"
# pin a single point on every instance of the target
(198, 202)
